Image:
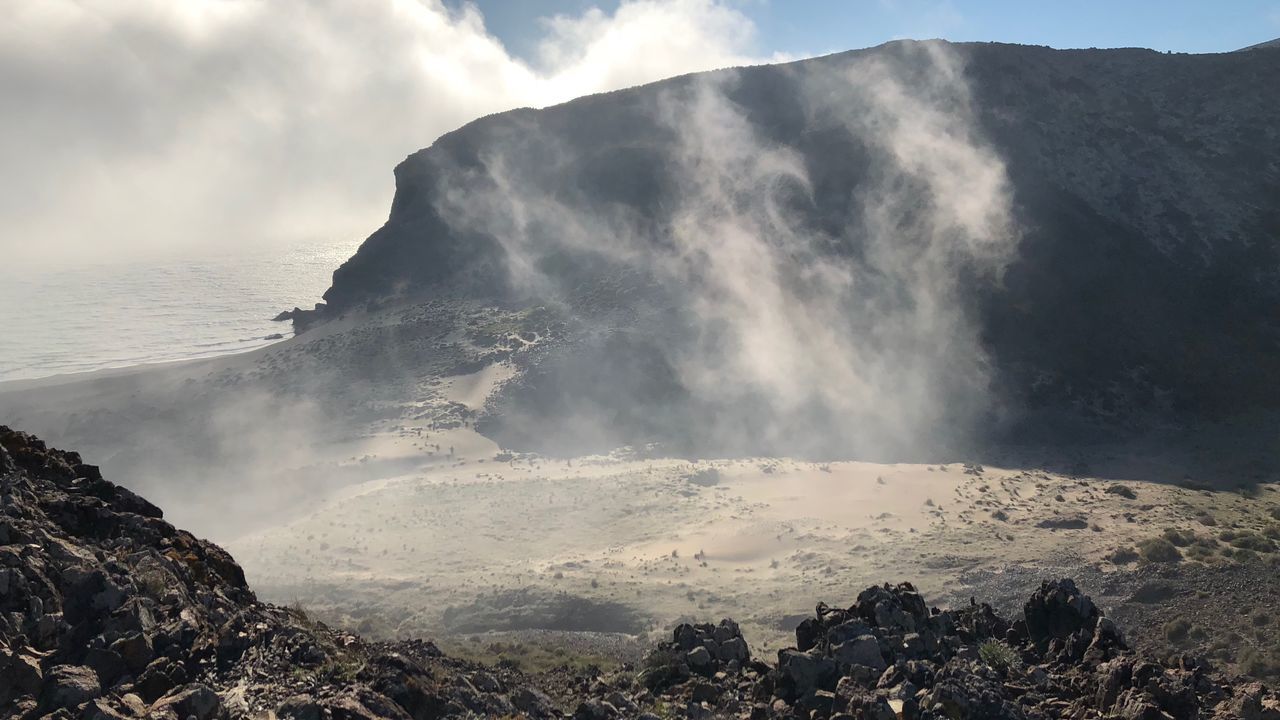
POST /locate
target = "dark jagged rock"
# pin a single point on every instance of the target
(890, 656)
(107, 612)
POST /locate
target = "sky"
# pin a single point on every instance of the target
(809, 27)
(145, 127)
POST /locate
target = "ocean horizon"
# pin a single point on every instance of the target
(98, 315)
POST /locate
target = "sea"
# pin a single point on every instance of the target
(92, 315)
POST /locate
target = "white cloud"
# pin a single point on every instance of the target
(153, 124)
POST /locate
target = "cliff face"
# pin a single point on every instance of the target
(1136, 199)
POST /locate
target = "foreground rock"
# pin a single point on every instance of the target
(891, 656)
(107, 611)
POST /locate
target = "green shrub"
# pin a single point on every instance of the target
(1158, 550)
(997, 655)
(1176, 630)
(1200, 552)
(1252, 541)
(1179, 538)
(1258, 664)
(1120, 556)
(1240, 554)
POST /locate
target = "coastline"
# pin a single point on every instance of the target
(88, 376)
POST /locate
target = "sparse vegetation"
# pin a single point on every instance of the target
(1123, 491)
(1260, 663)
(1179, 538)
(529, 656)
(1177, 630)
(997, 655)
(706, 477)
(1158, 550)
(1251, 541)
(1121, 556)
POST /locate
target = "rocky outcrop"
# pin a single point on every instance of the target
(107, 612)
(890, 656)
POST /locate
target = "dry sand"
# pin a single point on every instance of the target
(756, 539)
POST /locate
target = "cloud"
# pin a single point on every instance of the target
(172, 125)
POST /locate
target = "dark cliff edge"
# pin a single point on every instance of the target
(109, 612)
(1146, 282)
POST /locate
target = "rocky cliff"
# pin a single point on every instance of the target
(110, 612)
(1138, 203)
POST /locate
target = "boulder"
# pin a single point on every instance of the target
(863, 650)
(135, 651)
(70, 686)
(20, 674)
(734, 649)
(1058, 610)
(699, 659)
(802, 673)
(190, 701)
(533, 703)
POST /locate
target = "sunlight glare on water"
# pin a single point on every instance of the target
(100, 315)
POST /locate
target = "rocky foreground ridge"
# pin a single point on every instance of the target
(108, 611)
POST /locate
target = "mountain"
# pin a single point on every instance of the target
(926, 240)
(1269, 44)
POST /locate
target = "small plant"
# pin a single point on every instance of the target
(1176, 630)
(1158, 550)
(1123, 491)
(301, 612)
(1254, 662)
(1120, 556)
(997, 655)
(1200, 551)
(1179, 538)
(1252, 541)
